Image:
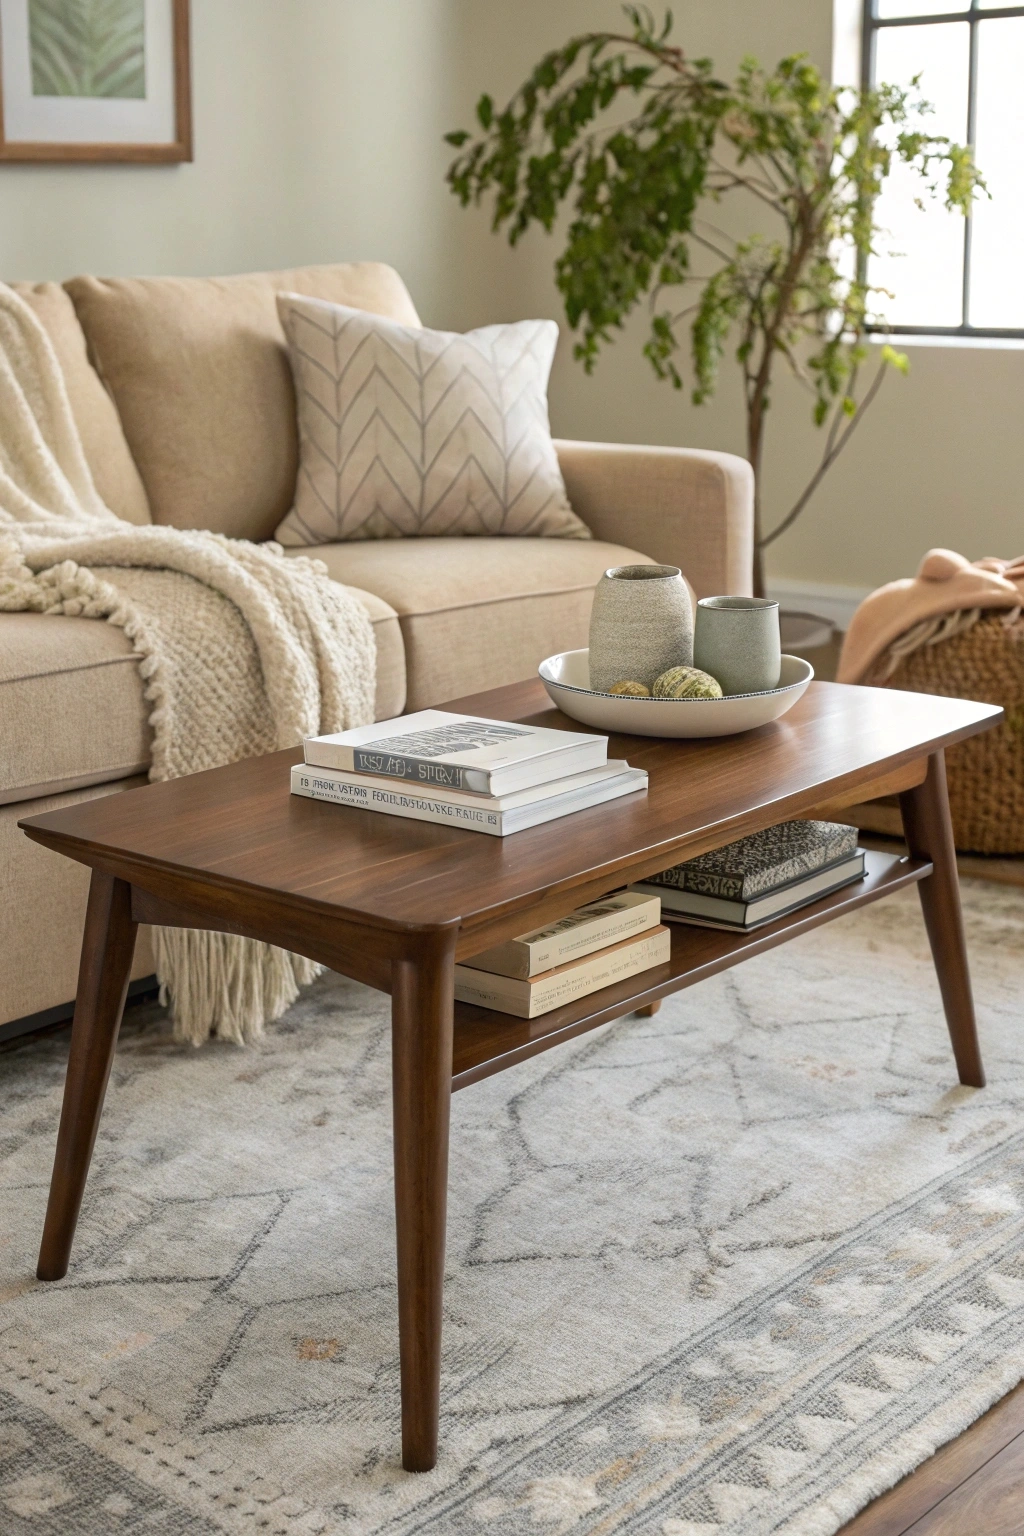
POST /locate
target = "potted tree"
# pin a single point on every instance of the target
(810, 158)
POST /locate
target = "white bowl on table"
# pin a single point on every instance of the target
(567, 680)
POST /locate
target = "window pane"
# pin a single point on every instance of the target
(920, 256)
(887, 8)
(997, 293)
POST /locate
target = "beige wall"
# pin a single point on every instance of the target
(318, 127)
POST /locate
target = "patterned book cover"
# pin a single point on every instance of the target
(763, 861)
(442, 750)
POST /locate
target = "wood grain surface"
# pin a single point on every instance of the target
(487, 1041)
(239, 829)
(394, 902)
(974, 1486)
(929, 833)
(107, 949)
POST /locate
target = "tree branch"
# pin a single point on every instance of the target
(710, 245)
(716, 230)
(766, 184)
(769, 198)
(837, 418)
(828, 459)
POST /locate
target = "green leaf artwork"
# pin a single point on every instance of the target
(88, 47)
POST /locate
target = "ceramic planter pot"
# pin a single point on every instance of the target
(737, 641)
(641, 624)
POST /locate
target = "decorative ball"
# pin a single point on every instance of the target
(634, 690)
(686, 683)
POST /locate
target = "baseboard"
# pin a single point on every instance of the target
(47, 1018)
(831, 602)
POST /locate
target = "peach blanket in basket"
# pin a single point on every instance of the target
(946, 583)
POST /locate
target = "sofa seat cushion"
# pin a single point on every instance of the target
(477, 613)
(106, 449)
(41, 924)
(200, 374)
(72, 710)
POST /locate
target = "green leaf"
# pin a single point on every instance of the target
(88, 48)
(898, 360)
(620, 141)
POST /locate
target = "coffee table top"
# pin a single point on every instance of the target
(240, 828)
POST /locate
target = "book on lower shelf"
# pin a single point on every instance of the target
(595, 926)
(756, 865)
(498, 815)
(741, 916)
(529, 997)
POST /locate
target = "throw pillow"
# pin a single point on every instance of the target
(409, 432)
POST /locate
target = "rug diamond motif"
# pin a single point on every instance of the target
(723, 1272)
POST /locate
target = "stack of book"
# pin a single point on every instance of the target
(464, 771)
(618, 936)
(761, 877)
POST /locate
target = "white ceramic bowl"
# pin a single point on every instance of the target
(567, 680)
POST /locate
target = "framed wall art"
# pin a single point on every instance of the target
(95, 80)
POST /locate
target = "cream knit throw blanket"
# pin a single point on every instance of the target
(242, 651)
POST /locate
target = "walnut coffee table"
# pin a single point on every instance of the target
(395, 903)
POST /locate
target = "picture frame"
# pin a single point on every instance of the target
(88, 81)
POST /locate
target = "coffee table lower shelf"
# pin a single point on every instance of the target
(487, 1042)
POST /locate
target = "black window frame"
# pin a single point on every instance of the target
(973, 13)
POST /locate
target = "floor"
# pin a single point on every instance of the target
(974, 1486)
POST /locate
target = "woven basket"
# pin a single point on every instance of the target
(986, 773)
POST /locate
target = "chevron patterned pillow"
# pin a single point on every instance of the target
(408, 433)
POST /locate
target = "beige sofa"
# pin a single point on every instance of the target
(182, 392)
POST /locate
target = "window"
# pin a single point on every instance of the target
(951, 275)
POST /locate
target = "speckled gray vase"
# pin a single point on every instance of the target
(736, 639)
(640, 625)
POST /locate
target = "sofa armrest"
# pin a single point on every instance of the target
(681, 506)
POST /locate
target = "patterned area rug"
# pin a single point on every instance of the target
(728, 1271)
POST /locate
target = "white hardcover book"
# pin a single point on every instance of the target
(508, 802)
(447, 751)
(395, 801)
(528, 998)
(604, 922)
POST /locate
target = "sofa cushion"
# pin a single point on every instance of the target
(476, 613)
(71, 704)
(72, 711)
(200, 374)
(106, 449)
(41, 925)
(406, 432)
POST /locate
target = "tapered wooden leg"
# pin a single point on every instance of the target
(422, 1001)
(108, 945)
(929, 835)
(650, 1010)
